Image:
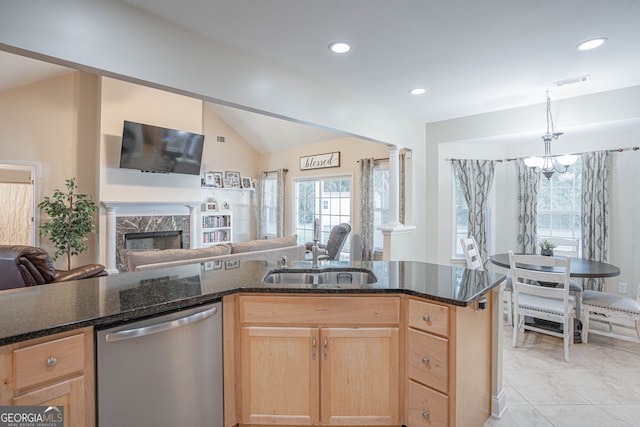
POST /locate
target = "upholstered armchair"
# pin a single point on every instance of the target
(22, 266)
(337, 239)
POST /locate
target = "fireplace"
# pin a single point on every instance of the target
(153, 240)
(158, 225)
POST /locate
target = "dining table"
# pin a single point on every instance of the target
(579, 268)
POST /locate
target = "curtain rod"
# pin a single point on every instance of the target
(275, 171)
(615, 150)
(376, 160)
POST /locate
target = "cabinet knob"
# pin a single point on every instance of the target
(426, 318)
(425, 415)
(52, 361)
(425, 360)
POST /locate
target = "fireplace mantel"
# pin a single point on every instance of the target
(115, 209)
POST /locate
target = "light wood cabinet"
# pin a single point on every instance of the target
(56, 370)
(448, 365)
(319, 360)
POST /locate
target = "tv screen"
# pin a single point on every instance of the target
(156, 149)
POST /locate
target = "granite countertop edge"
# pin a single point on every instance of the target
(172, 305)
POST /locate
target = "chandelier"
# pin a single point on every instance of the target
(550, 164)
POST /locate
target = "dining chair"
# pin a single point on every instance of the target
(536, 296)
(475, 262)
(612, 309)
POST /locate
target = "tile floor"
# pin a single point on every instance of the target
(600, 386)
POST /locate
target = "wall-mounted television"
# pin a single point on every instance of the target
(156, 149)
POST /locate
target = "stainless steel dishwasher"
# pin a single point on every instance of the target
(163, 371)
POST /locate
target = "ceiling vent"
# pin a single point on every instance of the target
(221, 139)
(573, 80)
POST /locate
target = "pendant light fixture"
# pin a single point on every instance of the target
(550, 164)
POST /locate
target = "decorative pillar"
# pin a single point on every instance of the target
(394, 187)
(111, 240)
(193, 226)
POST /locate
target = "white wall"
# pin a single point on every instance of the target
(608, 120)
(114, 39)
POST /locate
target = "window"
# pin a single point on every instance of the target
(380, 202)
(328, 199)
(270, 190)
(559, 204)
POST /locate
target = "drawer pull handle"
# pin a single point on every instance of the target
(52, 361)
(425, 360)
(425, 415)
(426, 318)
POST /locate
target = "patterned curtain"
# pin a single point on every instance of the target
(476, 179)
(281, 181)
(528, 185)
(261, 217)
(596, 171)
(366, 208)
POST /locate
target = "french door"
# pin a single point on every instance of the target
(325, 198)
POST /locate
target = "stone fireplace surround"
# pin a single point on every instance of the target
(127, 217)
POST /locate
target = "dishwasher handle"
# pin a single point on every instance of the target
(160, 327)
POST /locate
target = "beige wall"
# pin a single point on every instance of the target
(351, 150)
(50, 123)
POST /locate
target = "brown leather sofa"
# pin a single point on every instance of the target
(22, 266)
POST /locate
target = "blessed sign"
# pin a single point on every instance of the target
(320, 161)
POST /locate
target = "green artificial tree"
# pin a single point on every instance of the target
(71, 220)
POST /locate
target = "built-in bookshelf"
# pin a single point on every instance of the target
(216, 228)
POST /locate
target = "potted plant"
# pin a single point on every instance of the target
(546, 247)
(71, 219)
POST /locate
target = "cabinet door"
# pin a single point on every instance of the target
(280, 375)
(360, 374)
(68, 393)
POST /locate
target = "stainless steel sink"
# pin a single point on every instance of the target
(328, 276)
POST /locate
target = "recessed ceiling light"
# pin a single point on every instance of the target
(417, 91)
(339, 47)
(592, 44)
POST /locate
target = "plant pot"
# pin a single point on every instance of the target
(546, 252)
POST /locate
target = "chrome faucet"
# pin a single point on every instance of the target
(315, 251)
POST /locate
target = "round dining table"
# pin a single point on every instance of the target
(579, 268)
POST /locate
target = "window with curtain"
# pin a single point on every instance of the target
(270, 191)
(461, 217)
(380, 201)
(559, 204)
(328, 199)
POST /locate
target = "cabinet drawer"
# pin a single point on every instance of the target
(48, 361)
(314, 311)
(429, 317)
(428, 357)
(427, 407)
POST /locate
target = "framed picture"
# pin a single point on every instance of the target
(231, 264)
(208, 179)
(254, 183)
(217, 264)
(217, 179)
(211, 206)
(246, 182)
(234, 179)
(227, 183)
(208, 265)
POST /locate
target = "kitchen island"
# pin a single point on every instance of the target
(402, 289)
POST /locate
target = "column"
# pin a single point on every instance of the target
(193, 226)
(111, 240)
(394, 187)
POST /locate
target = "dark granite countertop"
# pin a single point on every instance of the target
(43, 310)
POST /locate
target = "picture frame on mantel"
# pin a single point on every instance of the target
(320, 161)
(234, 179)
